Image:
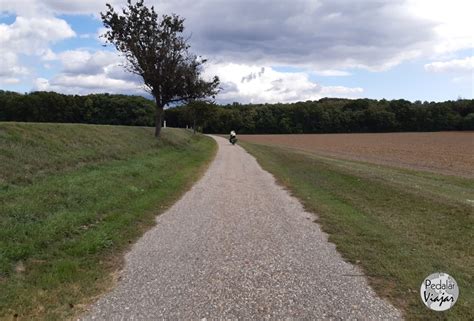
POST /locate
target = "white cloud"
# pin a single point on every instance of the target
(33, 35)
(10, 69)
(454, 23)
(42, 84)
(28, 37)
(84, 62)
(92, 82)
(455, 65)
(48, 55)
(91, 72)
(332, 73)
(9, 80)
(256, 84)
(465, 79)
(26, 8)
(85, 84)
(99, 33)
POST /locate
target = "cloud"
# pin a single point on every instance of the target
(33, 35)
(101, 62)
(453, 22)
(84, 72)
(92, 82)
(455, 65)
(328, 34)
(50, 7)
(253, 75)
(10, 69)
(48, 55)
(332, 73)
(91, 72)
(28, 37)
(329, 38)
(86, 84)
(322, 35)
(76, 7)
(257, 84)
(85, 62)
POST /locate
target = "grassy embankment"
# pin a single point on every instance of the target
(72, 198)
(398, 225)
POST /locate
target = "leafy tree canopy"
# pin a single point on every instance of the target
(155, 49)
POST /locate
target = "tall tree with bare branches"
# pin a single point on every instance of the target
(155, 49)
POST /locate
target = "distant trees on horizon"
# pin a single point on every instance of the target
(327, 115)
(52, 107)
(332, 115)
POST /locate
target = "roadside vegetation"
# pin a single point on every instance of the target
(398, 225)
(73, 198)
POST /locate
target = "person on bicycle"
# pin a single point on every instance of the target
(233, 136)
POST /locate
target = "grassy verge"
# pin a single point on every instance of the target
(64, 228)
(398, 225)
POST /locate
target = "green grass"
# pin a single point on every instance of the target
(398, 225)
(73, 197)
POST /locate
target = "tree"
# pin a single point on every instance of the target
(199, 113)
(156, 50)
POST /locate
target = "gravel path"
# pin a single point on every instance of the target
(238, 246)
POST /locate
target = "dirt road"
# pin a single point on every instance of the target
(238, 246)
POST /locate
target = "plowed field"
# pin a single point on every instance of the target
(443, 152)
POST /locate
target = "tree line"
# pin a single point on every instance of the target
(91, 109)
(328, 115)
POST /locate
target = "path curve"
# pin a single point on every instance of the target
(237, 245)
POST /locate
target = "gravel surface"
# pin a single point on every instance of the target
(237, 245)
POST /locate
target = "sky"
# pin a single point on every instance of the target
(263, 51)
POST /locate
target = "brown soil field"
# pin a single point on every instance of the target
(449, 153)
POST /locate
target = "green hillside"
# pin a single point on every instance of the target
(73, 197)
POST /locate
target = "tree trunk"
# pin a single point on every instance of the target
(158, 120)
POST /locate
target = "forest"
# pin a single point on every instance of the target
(52, 107)
(327, 115)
